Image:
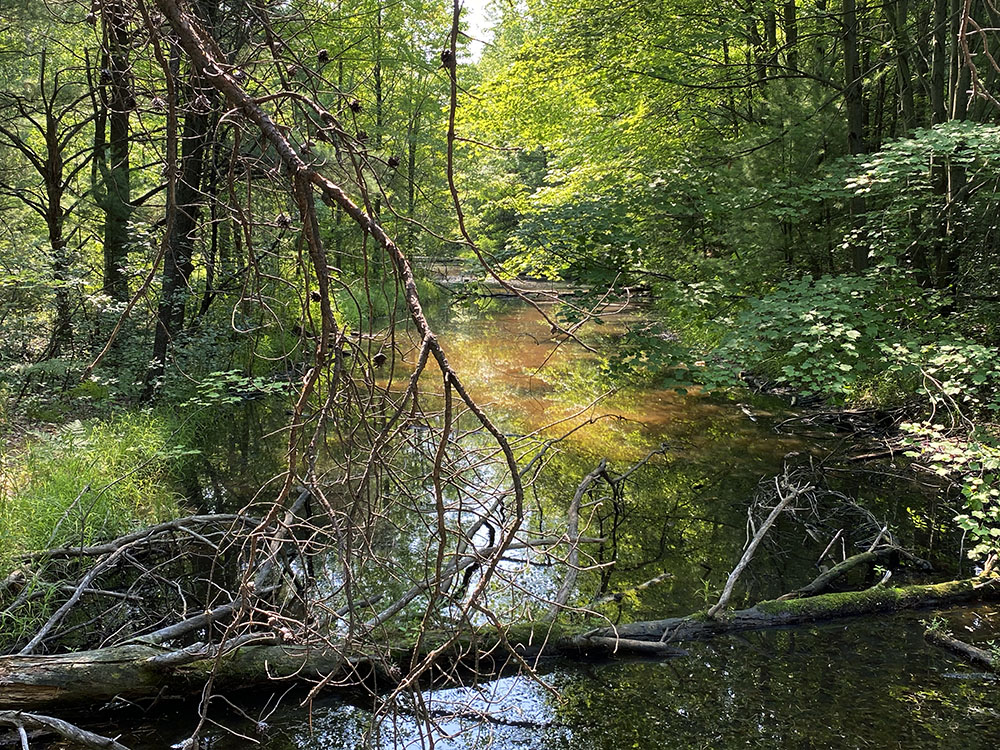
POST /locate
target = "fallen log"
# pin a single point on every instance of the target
(816, 609)
(139, 670)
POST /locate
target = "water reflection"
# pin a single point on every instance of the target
(866, 685)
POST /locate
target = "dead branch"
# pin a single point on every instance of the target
(823, 581)
(785, 494)
(69, 732)
(572, 531)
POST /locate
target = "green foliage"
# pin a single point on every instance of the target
(231, 387)
(972, 462)
(88, 482)
(936, 625)
(878, 337)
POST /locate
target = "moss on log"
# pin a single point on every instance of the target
(815, 609)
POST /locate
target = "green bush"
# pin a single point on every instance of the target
(872, 338)
(972, 462)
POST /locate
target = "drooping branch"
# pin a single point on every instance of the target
(204, 53)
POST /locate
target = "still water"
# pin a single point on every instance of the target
(851, 685)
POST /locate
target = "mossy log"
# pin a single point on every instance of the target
(815, 609)
(136, 670)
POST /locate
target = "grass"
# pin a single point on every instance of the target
(87, 482)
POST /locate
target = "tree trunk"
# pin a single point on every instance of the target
(791, 36)
(855, 105)
(896, 16)
(938, 82)
(62, 329)
(178, 261)
(116, 201)
(959, 75)
(138, 670)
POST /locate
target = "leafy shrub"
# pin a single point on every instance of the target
(876, 337)
(973, 463)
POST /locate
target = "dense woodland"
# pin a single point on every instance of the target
(206, 204)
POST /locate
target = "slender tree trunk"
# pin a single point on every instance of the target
(791, 36)
(855, 105)
(411, 179)
(759, 55)
(896, 16)
(939, 56)
(118, 100)
(62, 329)
(178, 265)
(959, 73)
(771, 38)
(178, 261)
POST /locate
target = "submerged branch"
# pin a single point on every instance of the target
(966, 651)
(69, 732)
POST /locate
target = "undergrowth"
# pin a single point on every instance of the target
(86, 482)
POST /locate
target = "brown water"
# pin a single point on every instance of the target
(858, 684)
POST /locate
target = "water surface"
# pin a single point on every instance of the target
(870, 683)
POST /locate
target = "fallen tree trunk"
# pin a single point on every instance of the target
(776, 613)
(140, 670)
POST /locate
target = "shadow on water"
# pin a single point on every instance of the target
(869, 684)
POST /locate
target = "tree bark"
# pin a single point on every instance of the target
(138, 670)
(115, 168)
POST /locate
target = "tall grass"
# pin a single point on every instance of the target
(88, 482)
